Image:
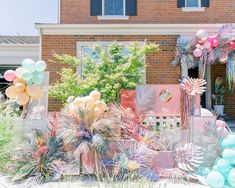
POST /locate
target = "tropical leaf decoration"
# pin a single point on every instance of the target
(230, 71)
(173, 175)
(193, 86)
(226, 33)
(41, 159)
(184, 53)
(189, 158)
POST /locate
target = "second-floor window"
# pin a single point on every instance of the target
(114, 7)
(192, 3)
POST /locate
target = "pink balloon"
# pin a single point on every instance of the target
(197, 52)
(10, 75)
(215, 43)
(212, 38)
(205, 112)
(232, 45)
(207, 45)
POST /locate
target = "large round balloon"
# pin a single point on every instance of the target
(10, 75)
(228, 142)
(19, 72)
(41, 66)
(202, 36)
(205, 112)
(223, 166)
(38, 78)
(89, 101)
(231, 177)
(19, 80)
(197, 52)
(11, 92)
(20, 87)
(215, 179)
(34, 91)
(229, 155)
(29, 64)
(22, 98)
(95, 95)
(26, 75)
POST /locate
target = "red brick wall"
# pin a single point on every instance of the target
(159, 68)
(152, 11)
(229, 100)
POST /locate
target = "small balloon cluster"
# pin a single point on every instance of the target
(204, 41)
(92, 102)
(223, 171)
(27, 81)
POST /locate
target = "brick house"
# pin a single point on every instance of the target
(85, 22)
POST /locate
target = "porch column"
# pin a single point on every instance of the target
(184, 71)
(208, 87)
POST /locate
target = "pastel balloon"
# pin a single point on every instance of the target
(39, 95)
(202, 36)
(223, 166)
(205, 112)
(95, 95)
(228, 142)
(215, 179)
(20, 87)
(207, 45)
(18, 80)
(26, 75)
(10, 75)
(29, 64)
(33, 90)
(41, 66)
(78, 101)
(212, 38)
(232, 45)
(19, 72)
(231, 177)
(222, 132)
(97, 112)
(11, 92)
(229, 155)
(89, 101)
(22, 98)
(101, 105)
(38, 78)
(197, 52)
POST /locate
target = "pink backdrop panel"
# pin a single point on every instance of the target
(166, 99)
(128, 98)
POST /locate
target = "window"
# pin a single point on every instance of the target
(192, 3)
(114, 7)
(86, 48)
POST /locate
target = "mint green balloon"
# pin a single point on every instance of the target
(29, 64)
(41, 66)
(231, 177)
(228, 142)
(27, 75)
(215, 179)
(229, 155)
(223, 166)
(38, 78)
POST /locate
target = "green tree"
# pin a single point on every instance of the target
(110, 72)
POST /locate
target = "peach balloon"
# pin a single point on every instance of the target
(22, 98)
(97, 111)
(20, 87)
(11, 92)
(78, 101)
(19, 80)
(19, 72)
(89, 101)
(40, 94)
(95, 95)
(33, 91)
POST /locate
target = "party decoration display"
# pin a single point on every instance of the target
(215, 179)
(205, 49)
(27, 81)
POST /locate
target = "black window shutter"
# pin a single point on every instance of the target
(205, 3)
(96, 7)
(180, 3)
(131, 7)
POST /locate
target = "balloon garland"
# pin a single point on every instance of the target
(26, 82)
(209, 49)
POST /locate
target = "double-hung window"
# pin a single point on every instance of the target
(114, 7)
(193, 5)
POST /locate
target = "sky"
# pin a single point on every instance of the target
(17, 17)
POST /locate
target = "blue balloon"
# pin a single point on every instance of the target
(29, 64)
(38, 78)
(231, 177)
(41, 66)
(228, 142)
(215, 179)
(223, 166)
(27, 75)
(229, 155)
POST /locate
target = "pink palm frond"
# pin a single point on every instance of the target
(193, 86)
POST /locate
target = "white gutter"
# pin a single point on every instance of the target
(125, 29)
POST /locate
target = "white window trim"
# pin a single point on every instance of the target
(113, 17)
(193, 9)
(80, 45)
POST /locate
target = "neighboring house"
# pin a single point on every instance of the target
(14, 49)
(86, 22)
